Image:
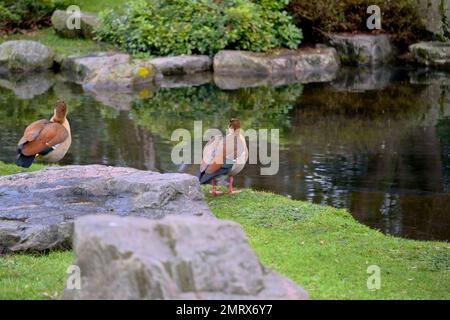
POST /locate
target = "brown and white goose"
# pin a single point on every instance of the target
(224, 156)
(48, 140)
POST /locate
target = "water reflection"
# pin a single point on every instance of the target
(376, 142)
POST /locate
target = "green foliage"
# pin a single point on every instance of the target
(27, 14)
(175, 27)
(33, 276)
(399, 18)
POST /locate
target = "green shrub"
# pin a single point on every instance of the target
(399, 18)
(158, 27)
(27, 14)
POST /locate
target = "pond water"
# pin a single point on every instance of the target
(375, 142)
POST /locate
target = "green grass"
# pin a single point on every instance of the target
(67, 46)
(60, 45)
(98, 5)
(321, 248)
(326, 251)
(6, 169)
(33, 276)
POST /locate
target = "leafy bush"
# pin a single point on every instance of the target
(27, 14)
(400, 18)
(172, 27)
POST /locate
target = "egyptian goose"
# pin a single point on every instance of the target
(224, 156)
(44, 139)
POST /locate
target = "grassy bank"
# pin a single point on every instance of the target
(322, 248)
(59, 45)
(33, 276)
(328, 252)
(6, 169)
(98, 5)
(67, 46)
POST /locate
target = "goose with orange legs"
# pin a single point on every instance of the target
(47, 140)
(224, 156)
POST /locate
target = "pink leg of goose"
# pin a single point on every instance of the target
(230, 186)
(214, 190)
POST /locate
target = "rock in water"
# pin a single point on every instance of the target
(88, 21)
(179, 65)
(108, 71)
(434, 54)
(37, 209)
(25, 55)
(363, 49)
(172, 258)
(304, 65)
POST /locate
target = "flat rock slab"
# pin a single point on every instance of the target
(433, 54)
(306, 65)
(173, 258)
(184, 64)
(25, 55)
(363, 49)
(37, 209)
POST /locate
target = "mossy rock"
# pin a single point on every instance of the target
(108, 71)
(434, 54)
(363, 49)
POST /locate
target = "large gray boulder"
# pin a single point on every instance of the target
(433, 54)
(88, 21)
(179, 65)
(363, 49)
(108, 71)
(25, 55)
(317, 64)
(435, 15)
(37, 209)
(172, 258)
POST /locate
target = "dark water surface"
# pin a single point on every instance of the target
(376, 142)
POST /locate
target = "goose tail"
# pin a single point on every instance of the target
(24, 161)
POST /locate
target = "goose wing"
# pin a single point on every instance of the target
(41, 135)
(212, 155)
(33, 131)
